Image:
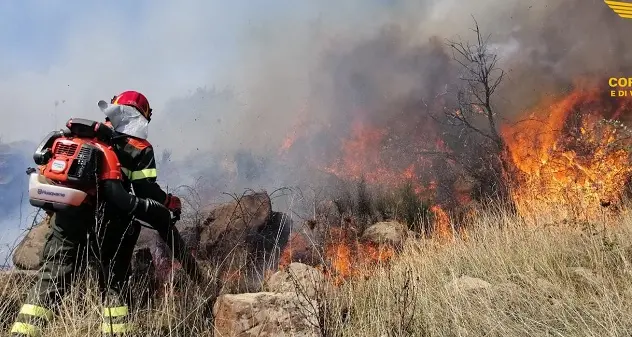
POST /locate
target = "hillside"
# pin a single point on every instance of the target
(501, 279)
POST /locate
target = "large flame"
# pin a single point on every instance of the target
(363, 156)
(568, 158)
(563, 154)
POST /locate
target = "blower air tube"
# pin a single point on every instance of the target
(158, 217)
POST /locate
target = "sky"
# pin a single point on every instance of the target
(78, 52)
(59, 58)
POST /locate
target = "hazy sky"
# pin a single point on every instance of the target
(58, 58)
(77, 52)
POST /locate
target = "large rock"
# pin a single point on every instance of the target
(299, 278)
(244, 235)
(228, 225)
(265, 314)
(386, 233)
(28, 253)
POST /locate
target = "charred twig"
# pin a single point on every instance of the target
(402, 319)
(481, 83)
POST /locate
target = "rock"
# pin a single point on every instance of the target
(244, 235)
(191, 236)
(152, 263)
(265, 314)
(267, 244)
(390, 233)
(227, 226)
(28, 253)
(468, 283)
(297, 277)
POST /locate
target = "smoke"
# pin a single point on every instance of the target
(230, 82)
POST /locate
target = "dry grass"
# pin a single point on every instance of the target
(543, 281)
(564, 280)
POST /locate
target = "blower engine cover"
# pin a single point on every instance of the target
(71, 164)
(45, 195)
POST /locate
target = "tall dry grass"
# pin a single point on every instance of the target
(537, 279)
(572, 279)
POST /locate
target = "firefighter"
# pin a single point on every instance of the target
(77, 236)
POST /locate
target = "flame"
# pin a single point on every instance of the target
(362, 157)
(297, 249)
(443, 228)
(367, 154)
(344, 257)
(347, 258)
(567, 158)
(297, 131)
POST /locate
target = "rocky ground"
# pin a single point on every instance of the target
(242, 242)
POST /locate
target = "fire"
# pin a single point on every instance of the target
(299, 127)
(368, 152)
(347, 257)
(443, 229)
(343, 257)
(297, 249)
(566, 157)
(287, 142)
(362, 157)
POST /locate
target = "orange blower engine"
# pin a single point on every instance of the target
(72, 162)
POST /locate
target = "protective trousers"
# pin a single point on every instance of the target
(76, 238)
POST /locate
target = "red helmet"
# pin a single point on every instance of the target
(136, 100)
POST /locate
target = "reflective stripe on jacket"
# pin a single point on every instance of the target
(139, 167)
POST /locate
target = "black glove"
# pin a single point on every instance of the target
(182, 254)
(159, 217)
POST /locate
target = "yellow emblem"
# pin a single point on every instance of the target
(624, 9)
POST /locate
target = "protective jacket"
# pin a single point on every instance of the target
(139, 167)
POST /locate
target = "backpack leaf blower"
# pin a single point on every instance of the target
(77, 165)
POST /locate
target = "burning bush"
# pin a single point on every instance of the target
(569, 156)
